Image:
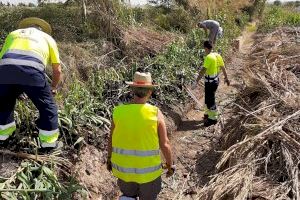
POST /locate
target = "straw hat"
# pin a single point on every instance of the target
(34, 21)
(141, 80)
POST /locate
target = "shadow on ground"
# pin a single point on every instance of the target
(206, 165)
(190, 125)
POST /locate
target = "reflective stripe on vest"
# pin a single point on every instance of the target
(11, 61)
(25, 53)
(23, 58)
(137, 170)
(135, 143)
(135, 152)
(211, 78)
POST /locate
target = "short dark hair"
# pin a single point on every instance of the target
(140, 91)
(207, 44)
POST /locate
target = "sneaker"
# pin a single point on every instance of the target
(210, 122)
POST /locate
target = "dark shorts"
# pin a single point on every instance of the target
(145, 191)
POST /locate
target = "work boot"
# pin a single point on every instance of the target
(210, 122)
(4, 143)
(46, 150)
(205, 117)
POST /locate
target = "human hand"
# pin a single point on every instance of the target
(171, 169)
(54, 91)
(108, 165)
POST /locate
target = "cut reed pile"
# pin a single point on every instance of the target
(105, 19)
(139, 42)
(261, 158)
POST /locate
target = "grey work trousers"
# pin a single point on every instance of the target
(145, 191)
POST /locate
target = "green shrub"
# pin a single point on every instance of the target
(64, 20)
(180, 20)
(162, 22)
(279, 16)
(85, 107)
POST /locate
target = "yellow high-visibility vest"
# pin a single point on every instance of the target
(213, 63)
(135, 142)
(30, 47)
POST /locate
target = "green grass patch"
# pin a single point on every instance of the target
(278, 16)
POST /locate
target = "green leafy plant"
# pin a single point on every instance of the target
(276, 16)
(37, 181)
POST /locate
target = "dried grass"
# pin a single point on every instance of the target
(262, 156)
(202, 5)
(53, 157)
(139, 42)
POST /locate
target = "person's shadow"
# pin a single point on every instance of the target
(190, 125)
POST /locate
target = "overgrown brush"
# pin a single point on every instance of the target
(94, 78)
(277, 16)
(261, 143)
(33, 180)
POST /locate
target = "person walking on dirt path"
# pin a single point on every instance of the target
(138, 132)
(213, 63)
(214, 28)
(23, 59)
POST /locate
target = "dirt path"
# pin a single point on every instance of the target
(194, 145)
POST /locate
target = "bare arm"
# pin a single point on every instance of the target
(57, 74)
(109, 146)
(164, 141)
(225, 75)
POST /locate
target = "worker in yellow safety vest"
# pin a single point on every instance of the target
(213, 64)
(138, 133)
(23, 60)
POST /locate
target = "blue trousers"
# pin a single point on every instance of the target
(41, 97)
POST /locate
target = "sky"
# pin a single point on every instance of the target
(19, 1)
(135, 2)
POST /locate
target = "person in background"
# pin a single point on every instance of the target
(138, 133)
(23, 59)
(214, 28)
(213, 64)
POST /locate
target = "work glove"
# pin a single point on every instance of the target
(108, 165)
(171, 169)
(54, 92)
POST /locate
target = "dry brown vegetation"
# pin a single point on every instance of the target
(139, 42)
(214, 4)
(262, 143)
